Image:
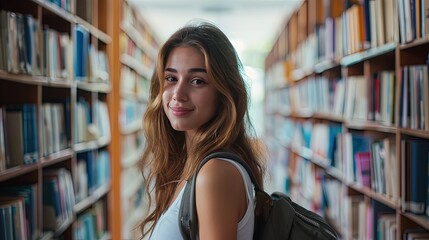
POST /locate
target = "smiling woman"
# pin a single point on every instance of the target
(189, 98)
(198, 105)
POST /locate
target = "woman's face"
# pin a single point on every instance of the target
(189, 99)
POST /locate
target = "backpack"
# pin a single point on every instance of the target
(276, 215)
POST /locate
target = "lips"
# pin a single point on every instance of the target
(180, 111)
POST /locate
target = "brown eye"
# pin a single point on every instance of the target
(197, 81)
(169, 79)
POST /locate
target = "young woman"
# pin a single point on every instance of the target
(198, 105)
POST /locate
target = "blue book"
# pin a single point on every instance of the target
(3, 228)
(418, 175)
(334, 131)
(52, 213)
(29, 41)
(103, 167)
(367, 24)
(67, 120)
(30, 133)
(81, 52)
(91, 169)
(427, 187)
(379, 209)
(89, 223)
(8, 222)
(28, 192)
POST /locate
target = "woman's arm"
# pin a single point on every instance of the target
(221, 200)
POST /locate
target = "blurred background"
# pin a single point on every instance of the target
(252, 26)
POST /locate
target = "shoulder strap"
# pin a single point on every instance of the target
(188, 223)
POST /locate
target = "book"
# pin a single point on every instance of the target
(3, 147)
(52, 210)
(81, 52)
(415, 154)
(19, 225)
(14, 138)
(363, 168)
(28, 193)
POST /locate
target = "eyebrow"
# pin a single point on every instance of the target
(190, 70)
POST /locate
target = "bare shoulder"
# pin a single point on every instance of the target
(220, 199)
(217, 172)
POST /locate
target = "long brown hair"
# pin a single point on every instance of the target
(165, 152)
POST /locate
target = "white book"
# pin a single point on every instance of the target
(373, 23)
(380, 22)
(425, 17)
(47, 127)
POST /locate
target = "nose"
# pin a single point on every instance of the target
(180, 92)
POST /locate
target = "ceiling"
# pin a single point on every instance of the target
(252, 25)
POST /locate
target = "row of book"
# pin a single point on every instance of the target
(64, 4)
(27, 48)
(340, 97)
(88, 128)
(18, 135)
(374, 220)
(132, 148)
(93, 171)
(90, 64)
(369, 24)
(55, 127)
(134, 84)
(414, 97)
(131, 114)
(92, 223)
(18, 209)
(371, 163)
(350, 29)
(18, 212)
(139, 32)
(376, 103)
(355, 216)
(315, 95)
(367, 161)
(58, 198)
(19, 139)
(413, 19)
(318, 141)
(131, 47)
(134, 203)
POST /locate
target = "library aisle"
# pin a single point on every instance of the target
(346, 116)
(348, 110)
(74, 77)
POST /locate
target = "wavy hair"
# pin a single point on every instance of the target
(165, 153)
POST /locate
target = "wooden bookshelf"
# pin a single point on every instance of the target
(134, 49)
(354, 124)
(61, 108)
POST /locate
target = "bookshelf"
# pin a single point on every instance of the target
(55, 135)
(348, 110)
(135, 47)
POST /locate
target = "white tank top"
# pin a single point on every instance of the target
(167, 227)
